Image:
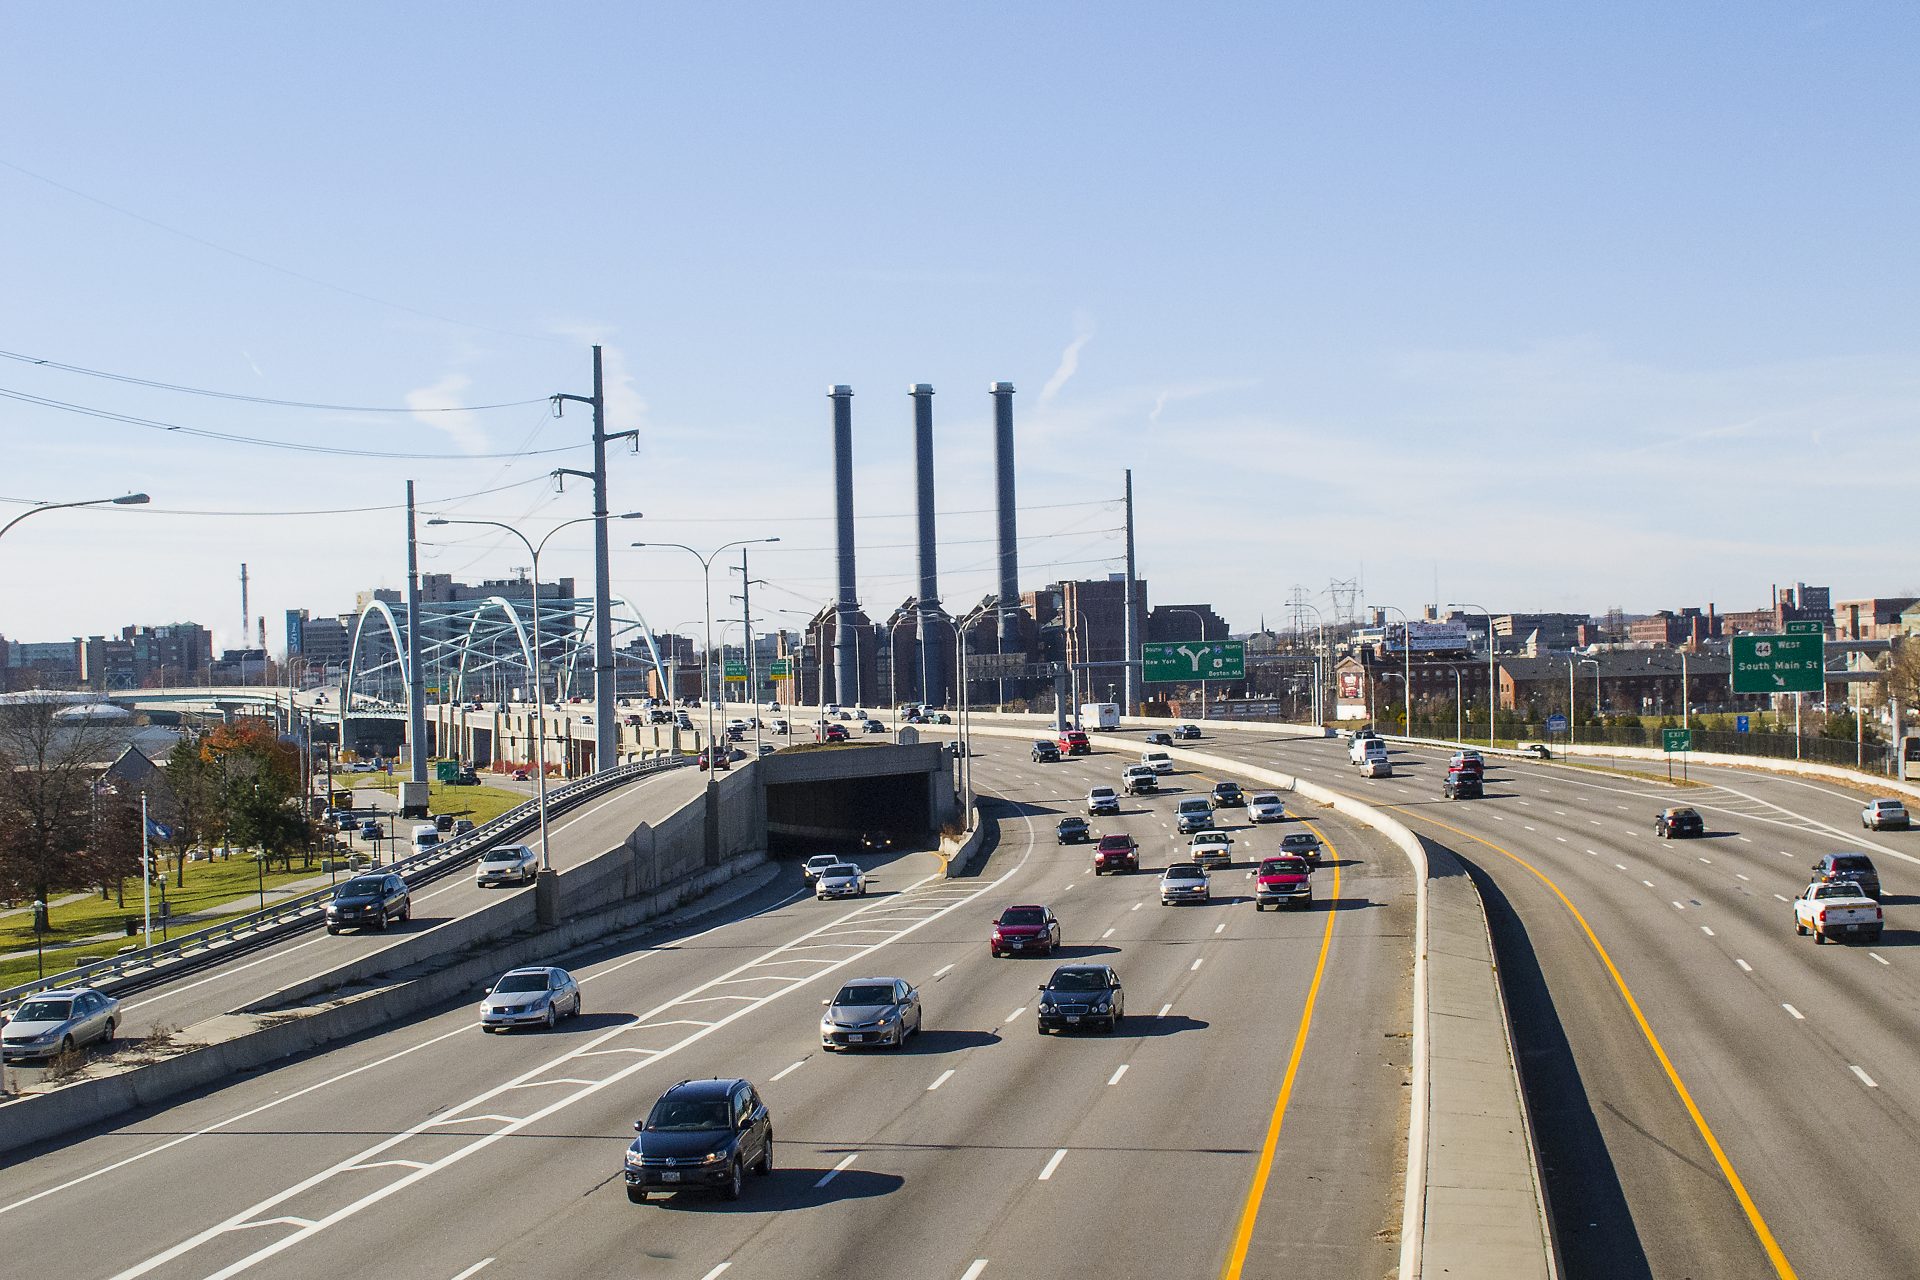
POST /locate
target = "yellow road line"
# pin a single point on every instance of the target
(1781, 1266)
(1243, 1236)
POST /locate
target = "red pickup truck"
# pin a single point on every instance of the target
(1283, 881)
(1116, 853)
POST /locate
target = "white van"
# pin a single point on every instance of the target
(425, 837)
(1365, 749)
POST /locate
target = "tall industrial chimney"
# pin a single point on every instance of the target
(846, 653)
(927, 612)
(1003, 477)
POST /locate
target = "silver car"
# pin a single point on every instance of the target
(1184, 882)
(538, 996)
(57, 1022)
(871, 1011)
(819, 862)
(507, 864)
(841, 880)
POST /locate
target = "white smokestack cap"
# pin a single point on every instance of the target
(839, 389)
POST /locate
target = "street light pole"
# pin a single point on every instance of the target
(124, 500)
(1202, 624)
(1406, 652)
(1492, 683)
(535, 658)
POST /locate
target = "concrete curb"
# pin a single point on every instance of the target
(254, 1041)
(1475, 1203)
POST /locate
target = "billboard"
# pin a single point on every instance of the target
(1431, 637)
(1350, 684)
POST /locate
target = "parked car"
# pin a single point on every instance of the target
(1837, 909)
(701, 1134)
(841, 880)
(507, 864)
(1082, 995)
(1857, 867)
(1116, 853)
(1672, 823)
(536, 996)
(1045, 751)
(59, 1021)
(1103, 800)
(1882, 815)
(1186, 732)
(1184, 882)
(1302, 844)
(1158, 738)
(370, 901)
(1191, 814)
(1072, 830)
(1210, 850)
(1265, 806)
(1285, 881)
(1024, 930)
(871, 1011)
(1227, 795)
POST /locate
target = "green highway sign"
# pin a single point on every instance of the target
(1676, 739)
(734, 671)
(1779, 664)
(780, 670)
(1164, 662)
(1808, 627)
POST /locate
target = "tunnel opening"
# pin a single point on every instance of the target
(886, 812)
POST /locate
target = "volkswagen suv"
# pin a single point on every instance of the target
(701, 1134)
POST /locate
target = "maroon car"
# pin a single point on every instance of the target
(1025, 930)
(1116, 853)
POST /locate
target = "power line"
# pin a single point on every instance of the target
(884, 515)
(152, 424)
(313, 511)
(43, 363)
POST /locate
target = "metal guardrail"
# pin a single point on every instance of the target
(189, 951)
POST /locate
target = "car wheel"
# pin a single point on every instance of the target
(333, 929)
(106, 1037)
(1819, 938)
(406, 913)
(579, 1003)
(552, 1017)
(1874, 936)
(66, 1045)
(1799, 929)
(485, 1029)
(765, 1166)
(994, 952)
(732, 1190)
(637, 1195)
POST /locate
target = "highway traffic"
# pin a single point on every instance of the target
(1250, 1108)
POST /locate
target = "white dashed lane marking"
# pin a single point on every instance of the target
(1053, 1164)
(1797, 1015)
(1865, 1079)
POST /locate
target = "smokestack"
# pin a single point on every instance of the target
(846, 656)
(927, 608)
(1003, 478)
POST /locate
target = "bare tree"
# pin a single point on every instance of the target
(1903, 677)
(48, 766)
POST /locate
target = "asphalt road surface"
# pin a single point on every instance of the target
(1221, 1124)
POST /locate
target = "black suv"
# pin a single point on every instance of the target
(1045, 752)
(1463, 784)
(1082, 995)
(701, 1134)
(1227, 795)
(1072, 830)
(1857, 867)
(369, 902)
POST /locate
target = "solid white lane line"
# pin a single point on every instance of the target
(784, 1072)
(1877, 956)
(1107, 934)
(973, 1272)
(1744, 966)
(1165, 1009)
(836, 1171)
(1198, 961)
(942, 970)
(716, 1272)
(1865, 1079)
(484, 1263)
(941, 1079)
(1117, 1073)
(1014, 1016)
(1053, 1164)
(1797, 1015)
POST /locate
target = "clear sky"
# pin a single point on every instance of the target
(1560, 307)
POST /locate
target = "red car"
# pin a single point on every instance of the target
(1074, 743)
(1116, 853)
(1283, 881)
(1025, 929)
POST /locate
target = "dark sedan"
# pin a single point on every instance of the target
(1227, 795)
(1159, 739)
(1670, 823)
(1082, 995)
(1073, 830)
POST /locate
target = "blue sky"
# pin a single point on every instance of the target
(1568, 308)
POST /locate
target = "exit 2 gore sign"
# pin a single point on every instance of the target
(1779, 663)
(1168, 661)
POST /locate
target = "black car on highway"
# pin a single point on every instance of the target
(1671, 823)
(1159, 738)
(1082, 995)
(1046, 751)
(700, 1135)
(1227, 795)
(1463, 784)
(1187, 731)
(1073, 830)
(1857, 867)
(369, 902)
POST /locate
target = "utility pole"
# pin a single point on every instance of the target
(606, 733)
(753, 671)
(416, 688)
(1130, 629)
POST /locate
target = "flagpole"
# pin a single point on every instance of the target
(146, 874)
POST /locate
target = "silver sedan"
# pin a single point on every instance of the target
(538, 996)
(507, 864)
(57, 1022)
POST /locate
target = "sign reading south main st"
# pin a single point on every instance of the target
(1779, 664)
(1163, 662)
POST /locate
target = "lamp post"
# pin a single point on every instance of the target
(1459, 708)
(1319, 677)
(124, 500)
(535, 656)
(1492, 683)
(1596, 684)
(1202, 624)
(964, 721)
(1406, 652)
(706, 578)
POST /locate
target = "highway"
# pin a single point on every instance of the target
(1797, 1059)
(1251, 1109)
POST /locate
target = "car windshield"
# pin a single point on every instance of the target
(1283, 867)
(1299, 838)
(1023, 915)
(1191, 806)
(1183, 871)
(362, 888)
(1266, 799)
(1101, 791)
(509, 854)
(44, 1011)
(841, 869)
(865, 993)
(1079, 980)
(1072, 824)
(522, 982)
(688, 1115)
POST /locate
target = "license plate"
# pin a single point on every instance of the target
(669, 1175)
(856, 1039)
(1073, 1017)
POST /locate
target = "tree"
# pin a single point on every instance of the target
(49, 764)
(256, 778)
(1903, 678)
(192, 804)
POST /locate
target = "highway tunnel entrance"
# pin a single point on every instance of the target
(848, 799)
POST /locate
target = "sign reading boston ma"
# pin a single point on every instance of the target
(1165, 661)
(1779, 663)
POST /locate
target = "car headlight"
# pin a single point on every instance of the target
(633, 1159)
(1047, 1006)
(714, 1157)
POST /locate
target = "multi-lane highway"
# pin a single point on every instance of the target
(1251, 1108)
(1714, 1096)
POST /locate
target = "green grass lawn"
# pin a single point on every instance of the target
(480, 804)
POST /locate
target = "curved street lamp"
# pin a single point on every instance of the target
(1492, 682)
(124, 500)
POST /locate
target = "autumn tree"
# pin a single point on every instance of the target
(49, 765)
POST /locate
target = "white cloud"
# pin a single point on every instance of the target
(1068, 366)
(436, 405)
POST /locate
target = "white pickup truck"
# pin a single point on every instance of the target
(1837, 909)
